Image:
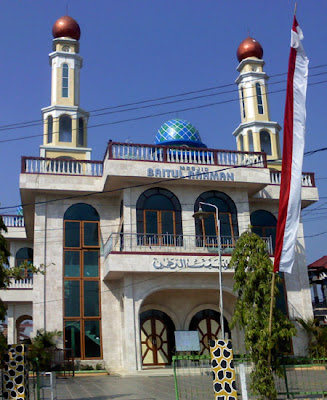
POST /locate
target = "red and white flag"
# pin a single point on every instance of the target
(293, 149)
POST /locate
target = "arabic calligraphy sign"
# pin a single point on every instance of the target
(185, 263)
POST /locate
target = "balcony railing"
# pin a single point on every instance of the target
(308, 178)
(181, 155)
(13, 220)
(26, 283)
(61, 166)
(166, 243)
(319, 304)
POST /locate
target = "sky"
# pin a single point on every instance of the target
(135, 50)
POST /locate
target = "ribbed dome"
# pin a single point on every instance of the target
(66, 27)
(177, 132)
(249, 48)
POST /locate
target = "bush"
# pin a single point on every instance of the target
(86, 367)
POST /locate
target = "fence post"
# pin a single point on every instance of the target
(286, 381)
(175, 378)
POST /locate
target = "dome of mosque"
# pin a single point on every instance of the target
(249, 48)
(178, 132)
(66, 26)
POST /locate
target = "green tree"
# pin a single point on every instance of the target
(317, 337)
(42, 348)
(253, 276)
(7, 273)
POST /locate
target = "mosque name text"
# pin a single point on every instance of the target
(183, 263)
(198, 173)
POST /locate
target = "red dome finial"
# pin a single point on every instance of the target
(66, 27)
(249, 48)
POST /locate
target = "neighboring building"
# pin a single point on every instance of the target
(318, 282)
(127, 264)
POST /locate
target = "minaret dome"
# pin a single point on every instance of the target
(66, 26)
(249, 48)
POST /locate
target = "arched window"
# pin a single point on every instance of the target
(241, 143)
(264, 225)
(23, 256)
(250, 139)
(82, 319)
(65, 128)
(159, 220)
(50, 128)
(207, 323)
(65, 79)
(81, 132)
(207, 230)
(259, 98)
(265, 142)
(243, 104)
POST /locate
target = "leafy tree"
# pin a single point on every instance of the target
(317, 337)
(42, 348)
(253, 276)
(6, 274)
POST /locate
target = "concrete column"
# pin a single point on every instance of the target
(39, 317)
(129, 332)
(243, 212)
(11, 315)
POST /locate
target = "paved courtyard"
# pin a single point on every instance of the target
(114, 387)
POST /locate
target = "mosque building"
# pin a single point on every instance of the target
(126, 262)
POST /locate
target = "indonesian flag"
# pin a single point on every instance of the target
(293, 148)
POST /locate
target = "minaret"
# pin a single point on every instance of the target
(65, 123)
(256, 131)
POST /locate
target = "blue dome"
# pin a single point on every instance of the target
(177, 132)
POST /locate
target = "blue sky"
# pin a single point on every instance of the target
(136, 50)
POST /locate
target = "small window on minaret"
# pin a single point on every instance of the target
(250, 140)
(259, 98)
(64, 80)
(241, 143)
(65, 129)
(50, 127)
(265, 142)
(81, 132)
(243, 104)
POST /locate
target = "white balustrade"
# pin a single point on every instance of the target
(275, 178)
(62, 166)
(13, 220)
(26, 283)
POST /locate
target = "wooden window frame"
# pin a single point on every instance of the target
(216, 227)
(81, 278)
(160, 234)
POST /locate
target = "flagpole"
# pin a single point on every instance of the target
(272, 302)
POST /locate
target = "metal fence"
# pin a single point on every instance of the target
(302, 378)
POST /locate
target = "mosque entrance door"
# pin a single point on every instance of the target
(157, 332)
(207, 323)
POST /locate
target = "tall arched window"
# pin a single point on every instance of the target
(24, 256)
(159, 221)
(82, 319)
(65, 80)
(65, 128)
(241, 143)
(264, 225)
(207, 230)
(265, 142)
(250, 139)
(81, 132)
(259, 98)
(50, 129)
(243, 104)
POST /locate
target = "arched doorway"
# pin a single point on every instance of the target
(207, 323)
(157, 338)
(24, 328)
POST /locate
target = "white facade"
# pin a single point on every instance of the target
(166, 278)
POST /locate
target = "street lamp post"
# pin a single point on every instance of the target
(203, 215)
